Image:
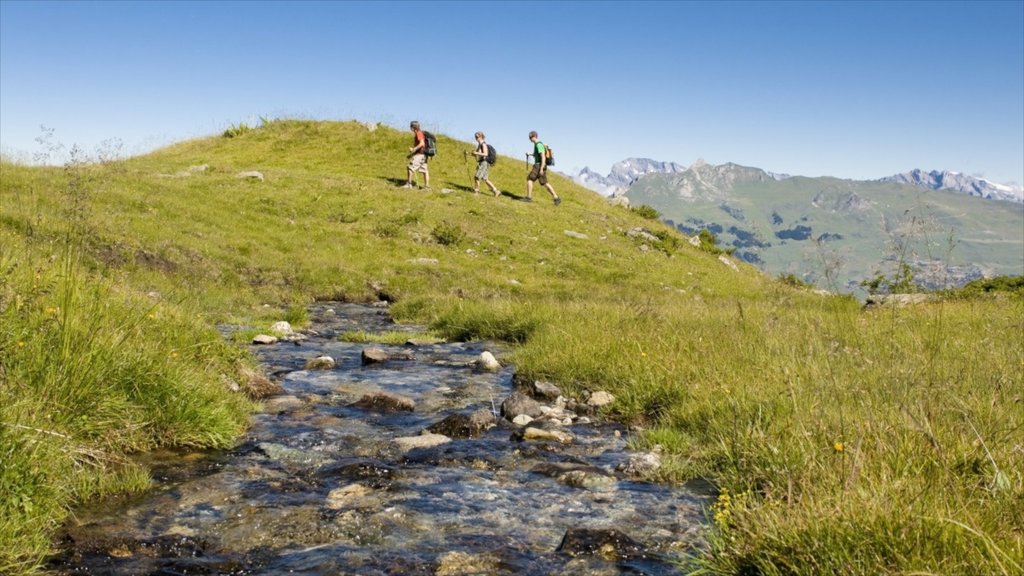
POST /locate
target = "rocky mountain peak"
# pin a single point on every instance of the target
(948, 180)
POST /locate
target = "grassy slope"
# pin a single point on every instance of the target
(848, 441)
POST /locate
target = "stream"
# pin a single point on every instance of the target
(335, 476)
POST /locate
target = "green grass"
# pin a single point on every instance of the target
(849, 440)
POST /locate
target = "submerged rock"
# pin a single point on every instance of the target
(386, 402)
(320, 363)
(464, 425)
(427, 440)
(607, 543)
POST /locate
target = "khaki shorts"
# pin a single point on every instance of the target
(536, 175)
(482, 169)
(418, 163)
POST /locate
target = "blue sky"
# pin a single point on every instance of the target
(849, 89)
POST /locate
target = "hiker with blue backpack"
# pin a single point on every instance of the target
(418, 157)
(541, 156)
(486, 155)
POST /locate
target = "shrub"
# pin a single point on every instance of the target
(645, 211)
(448, 234)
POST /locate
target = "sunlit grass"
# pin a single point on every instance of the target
(849, 440)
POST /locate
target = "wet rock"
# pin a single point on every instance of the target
(600, 398)
(320, 363)
(519, 403)
(487, 361)
(607, 543)
(291, 456)
(385, 402)
(280, 404)
(456, 563)
(374, 473)
(427, 440)
(344, 496)
(642, 464)
(522, 420)
(374, 356)
(541, 434)
(546, 390)
(379, 355)
(464, 425)
(264, 339)
(577, 475)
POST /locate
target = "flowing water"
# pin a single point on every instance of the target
(320, 486)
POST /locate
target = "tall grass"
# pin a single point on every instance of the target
(843, 440)
(90, 372)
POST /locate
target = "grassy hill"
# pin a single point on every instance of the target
(836, 233)
(843, 440)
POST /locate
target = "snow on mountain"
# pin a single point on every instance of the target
(948, 180)
(623, 174)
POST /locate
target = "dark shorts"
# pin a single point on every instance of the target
(536, 175)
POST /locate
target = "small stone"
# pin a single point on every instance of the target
(531, 433)
(264, 339)
(487, 361)
(281, 327)
(600, 398)
(251, 174)
(374, 356)
(320, 363)
(522, 420)
(427, 440)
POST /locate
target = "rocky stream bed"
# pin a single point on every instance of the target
(384, 459)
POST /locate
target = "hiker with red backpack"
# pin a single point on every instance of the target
(418, 157)
(541, 155)
(485, 156)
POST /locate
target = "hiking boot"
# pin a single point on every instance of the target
(476, 191)
(558, 201)
(496, 193)
(406, 185)
(527, 199)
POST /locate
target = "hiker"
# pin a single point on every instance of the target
(482, 165)
(540, 170)
(417, 157)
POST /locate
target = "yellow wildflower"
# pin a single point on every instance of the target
(838, 446)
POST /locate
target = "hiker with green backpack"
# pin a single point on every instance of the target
(486, 156)
(422, 147)
(541, 158)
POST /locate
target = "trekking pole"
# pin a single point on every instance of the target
(469, 172)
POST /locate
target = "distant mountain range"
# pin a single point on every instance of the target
(623, 174)
(832, 232)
